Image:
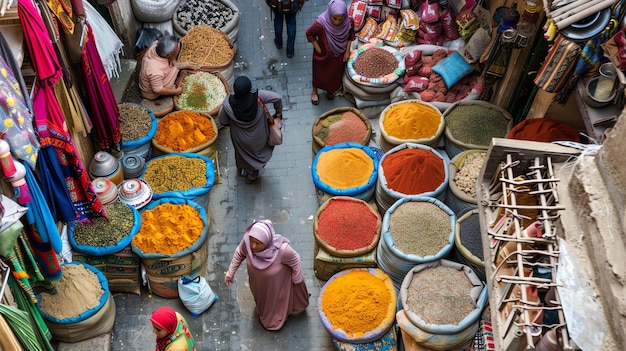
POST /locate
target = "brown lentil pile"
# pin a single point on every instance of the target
(476, 124)
(207, 46)
(467, 175)
(340, 128)
(375, 63)
(103, 232)
(135, 121)
(440, 295)
(175, 173)
(419, 228)
(77, 291)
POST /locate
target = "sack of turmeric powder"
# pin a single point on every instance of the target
(185, 131)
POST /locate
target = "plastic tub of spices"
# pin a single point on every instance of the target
(472, 124)
(442, 302)
(347, 169)
(411, 170)
(358, 305)
(101, 236)
(137, 128)
(415, 230)
(180, 175)
(340, 125)
(410, 121)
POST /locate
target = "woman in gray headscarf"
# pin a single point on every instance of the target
(249, 130)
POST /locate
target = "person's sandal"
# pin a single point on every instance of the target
(330, 96)
(315, 101)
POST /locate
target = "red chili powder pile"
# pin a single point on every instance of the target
(413, 171)
(346, 224)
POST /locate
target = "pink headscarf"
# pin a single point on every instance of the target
(164, 318)
(337, 36)
(263, 231)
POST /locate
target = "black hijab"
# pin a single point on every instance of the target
(244, 101)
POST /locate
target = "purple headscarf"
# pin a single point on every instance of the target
(263, 231)
(337, 36)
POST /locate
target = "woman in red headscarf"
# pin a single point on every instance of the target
(171, 330)
(331, 35)
(274, 274)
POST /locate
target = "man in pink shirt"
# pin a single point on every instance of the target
(159, 68)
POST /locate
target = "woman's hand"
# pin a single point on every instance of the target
(228, 281)
(316, 47)
(346, 56)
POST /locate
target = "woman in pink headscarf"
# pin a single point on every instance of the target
(274, 274)
(171, 330)
(331, 35)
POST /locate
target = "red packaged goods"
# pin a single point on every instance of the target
(394, 4)
(416, 83)
(450, 28)
(374, 2)
(357, 11)
(429, 12)
(413, 62)
(375, 12)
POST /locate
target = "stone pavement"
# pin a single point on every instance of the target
(285, 194)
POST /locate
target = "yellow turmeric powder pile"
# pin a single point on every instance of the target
(356, 302)
(411, 120)
(168, 228)
(183, 130)
(344, 168)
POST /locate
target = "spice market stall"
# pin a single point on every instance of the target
(357, 307)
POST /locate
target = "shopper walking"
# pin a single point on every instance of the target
(249, 129)
(274, 274)
(331, 35)
(285, 12)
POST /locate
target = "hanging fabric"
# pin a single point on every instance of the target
(69, 192)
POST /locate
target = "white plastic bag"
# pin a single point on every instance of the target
(196, 294)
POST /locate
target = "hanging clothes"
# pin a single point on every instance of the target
(104, 110)
(65, 182)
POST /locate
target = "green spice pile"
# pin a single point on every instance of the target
(103, 232)
(135, 121)
(476, 124)
(175, 173)
(420, 228)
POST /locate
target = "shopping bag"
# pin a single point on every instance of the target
(196, 294)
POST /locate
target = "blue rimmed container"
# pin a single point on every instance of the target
(341, 165)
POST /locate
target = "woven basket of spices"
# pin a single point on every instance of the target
(340, 125)
(185, 131)
(358, 305)
(347, 227)
(410, 121)
(208, 47)
(375, 64)
(203, 91)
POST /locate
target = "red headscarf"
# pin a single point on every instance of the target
(164, 318)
